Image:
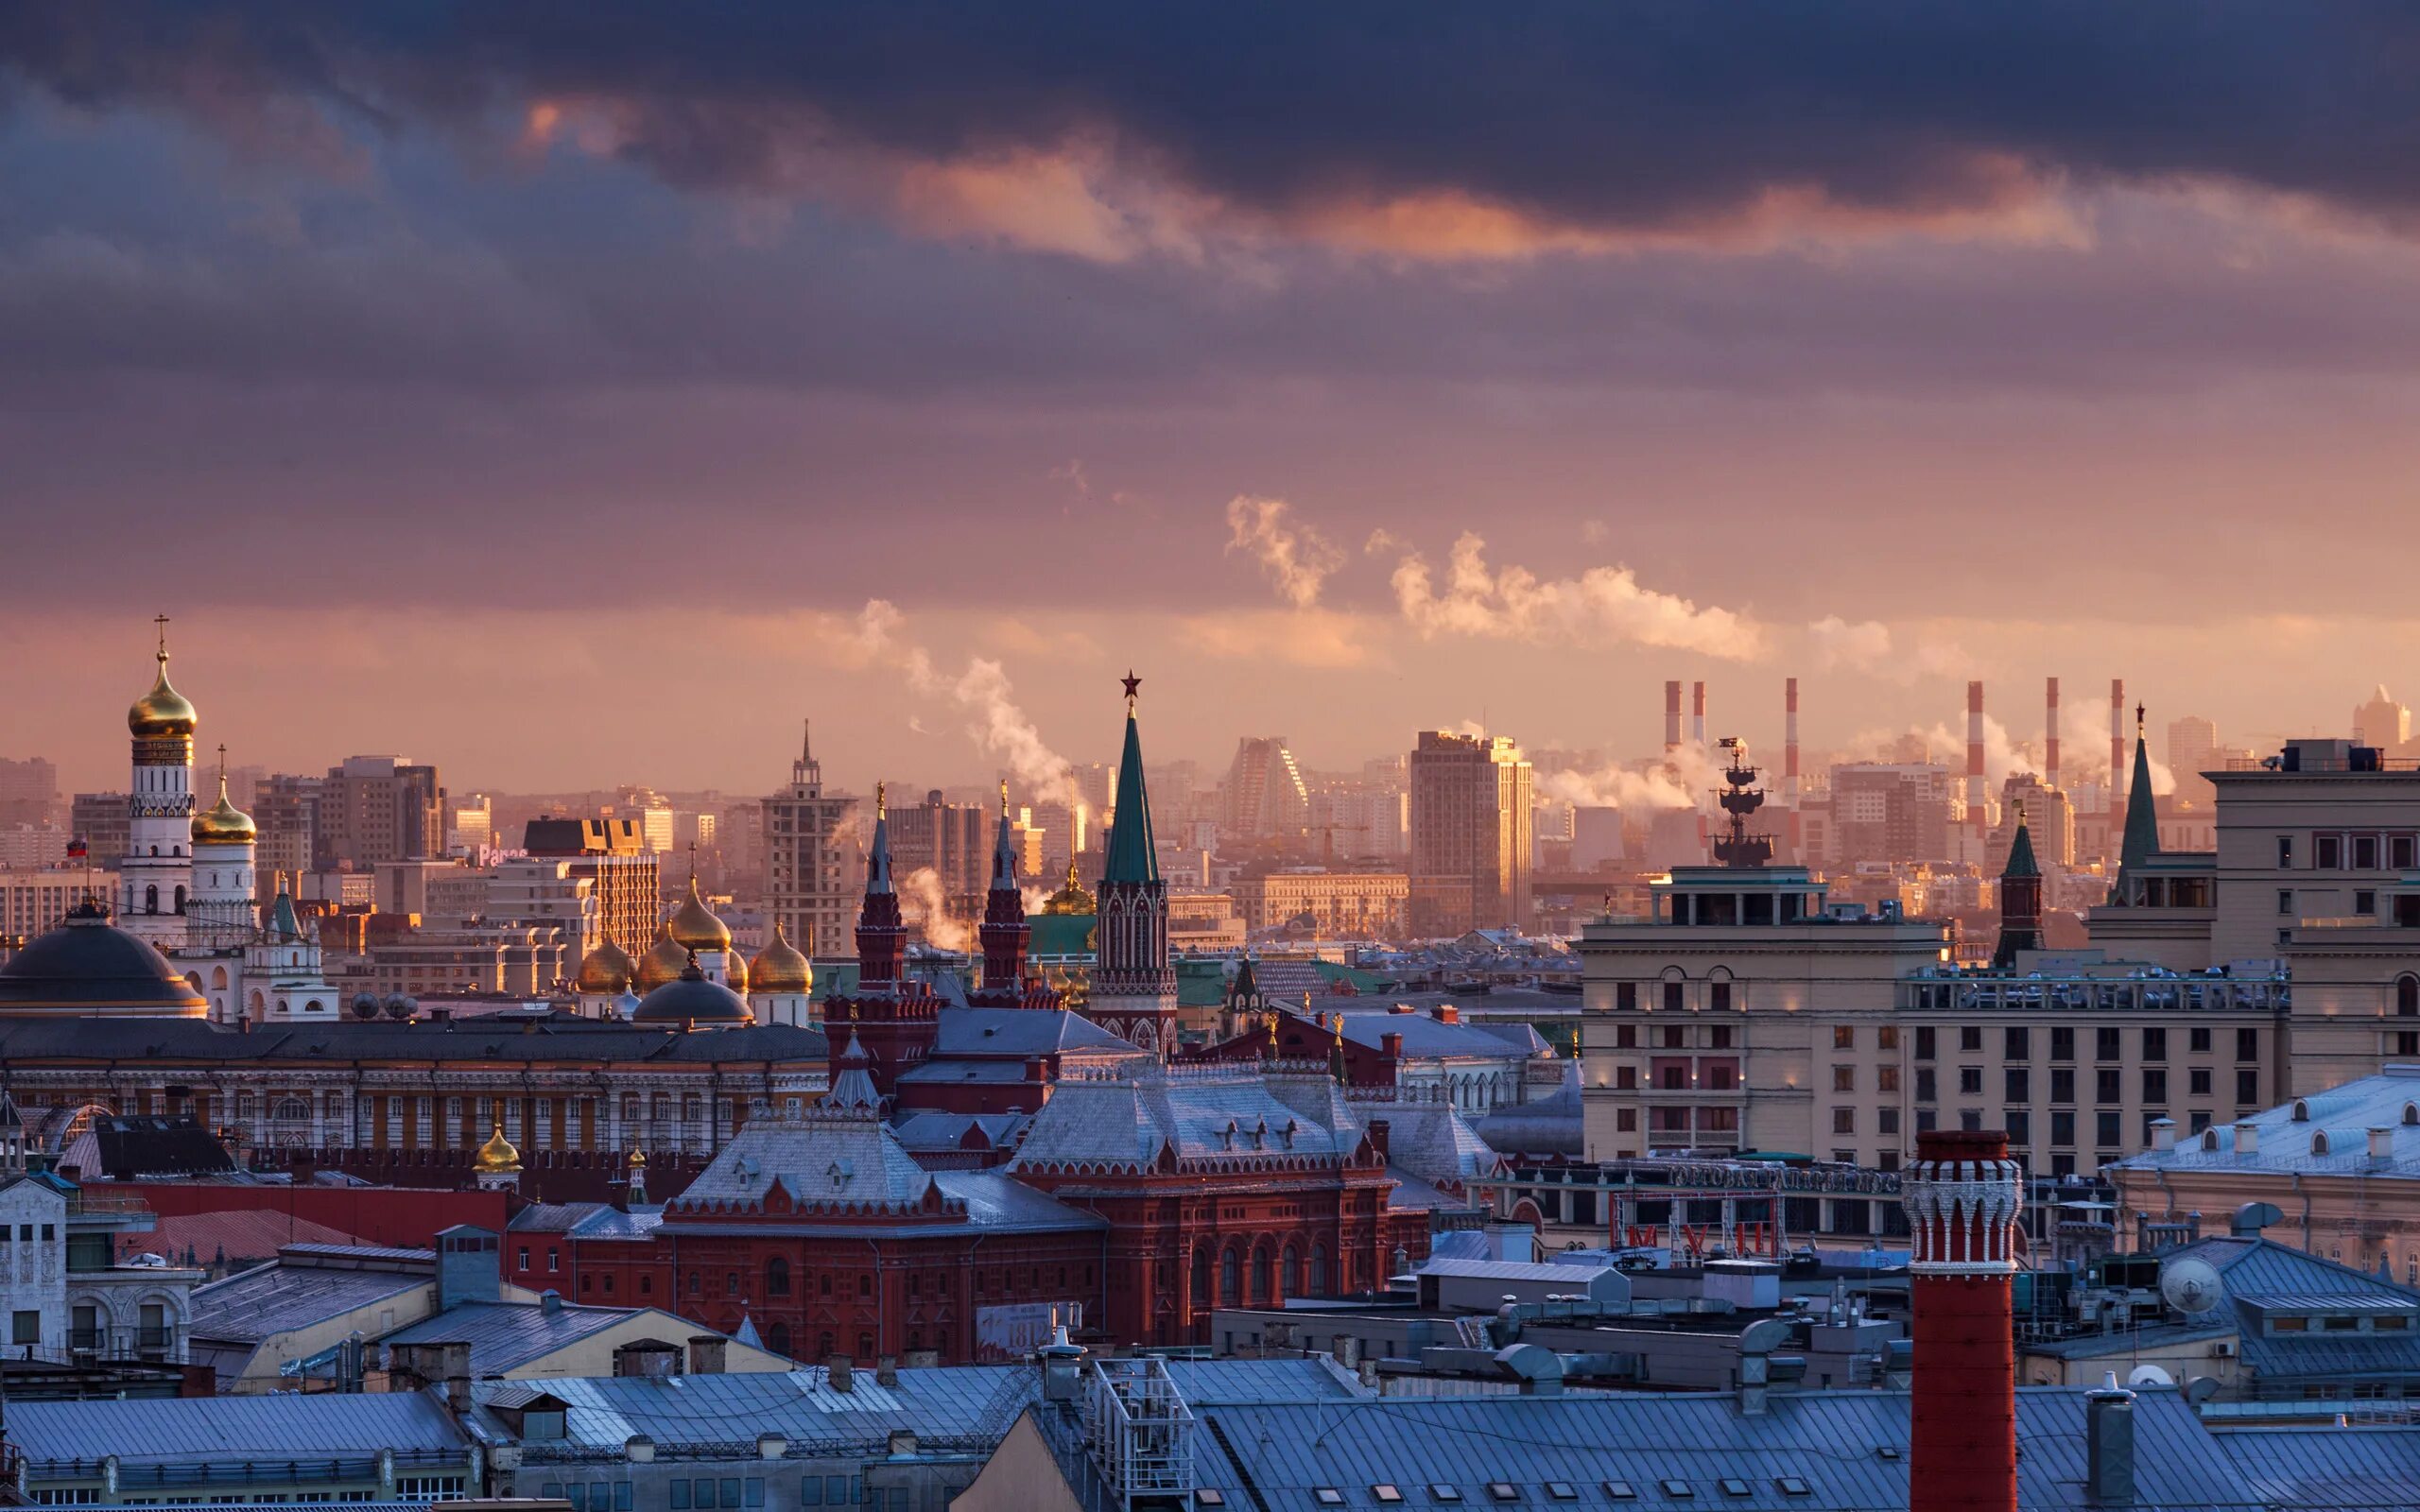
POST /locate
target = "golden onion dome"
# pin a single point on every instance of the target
(735, 971)
(664, 963)
(780, 969)
(694, 926)
(638, 1158)
(607, 970)
(497, 1156)
(162, 711)
(223, 823)
(1071, 899)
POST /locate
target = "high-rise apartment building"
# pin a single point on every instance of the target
(954, 840)
(285, 807)
(1265, 794)
(624, 870)
(99, 819)
(2192, 750)
(378, 808)
(1890, 811)
(810, 860)
(470, 825)
(1470, 833)
(29, 791)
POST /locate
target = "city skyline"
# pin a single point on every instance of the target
(968, 725)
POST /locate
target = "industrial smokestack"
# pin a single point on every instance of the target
(1671, 716)
(2050, 739)
(2117, 752)
(1696, 714)
(1789, 759)
(1978, 790)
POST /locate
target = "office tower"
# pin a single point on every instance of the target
(810, 856)
(2381, 722)
(1890, 811)
(624, 870)
(1470, 833)
(378, 808)
(470, 825)
(1265, 794)
(2193, 749)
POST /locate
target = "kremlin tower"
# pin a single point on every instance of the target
(891, 1019)
(1134, 988)
(1006, 935)
(1961, 1194)
(157, 870)
(2020, 898)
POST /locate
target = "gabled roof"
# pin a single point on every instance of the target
(1428, 1038)
(274, 1299)
(1015, 1031)
(826, 1155)
(277, 1427)
(2342, 1117)
(506, 1336)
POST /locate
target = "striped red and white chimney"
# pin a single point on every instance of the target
(2050, 739)
(1790, 759)
(1697, 712)
(1961, 1194)
(1977, 788)
(2117, 754)
(1671, 716)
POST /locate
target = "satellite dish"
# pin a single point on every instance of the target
(2148, 1375)
(2190, 1285)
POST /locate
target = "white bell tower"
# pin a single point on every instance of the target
(157, 877)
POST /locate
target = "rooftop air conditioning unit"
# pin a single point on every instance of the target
(2223, 1349)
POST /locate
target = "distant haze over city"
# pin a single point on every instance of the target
(433, 376)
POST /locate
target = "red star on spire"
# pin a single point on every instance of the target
(1133, 684)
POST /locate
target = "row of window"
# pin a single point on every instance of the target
(2016, 1083)
(2329, 852)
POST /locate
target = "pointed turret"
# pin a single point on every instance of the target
(2142, 817)
(1005, 934)
(283, 924)
(882, 936)
(2020, 898)
(1132, 854)
(851, 1080)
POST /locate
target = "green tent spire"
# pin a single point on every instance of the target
(1133, 857)
(2020, 851)
(2142, 810)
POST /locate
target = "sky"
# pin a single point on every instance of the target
(574, 394)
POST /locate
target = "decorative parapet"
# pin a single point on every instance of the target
(1962, 1194)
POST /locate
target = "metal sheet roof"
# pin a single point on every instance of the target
(247, 1308)
(505, 1336)
(1830, 1439)
(972, 1405)
(174, 1430)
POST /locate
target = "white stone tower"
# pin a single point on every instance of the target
(158, 873)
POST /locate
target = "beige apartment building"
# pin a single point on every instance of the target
(1340, 904)
(1470, 833)
(1747, 1013)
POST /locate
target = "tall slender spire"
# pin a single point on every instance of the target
(1132, 857)
(882, 934)
(2020, 898)
(1004, 932)
(2142, 815)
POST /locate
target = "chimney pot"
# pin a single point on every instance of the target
(2247, 1138)
(2163, 1134)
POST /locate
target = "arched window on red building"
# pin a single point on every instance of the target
(1264, 1276)
(1231, 1275)
(1202, 1276)
(777, 1277)
(1320, 1286)
(1293, 1272)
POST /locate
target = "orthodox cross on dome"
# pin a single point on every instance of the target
(881, 804)
(1004, 798)
(162, 621)
(1132, 684)
(2138, 721)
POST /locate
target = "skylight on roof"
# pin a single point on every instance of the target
(1386, 1493)
(1561, 1491)
(1678, 1489)
(1732, 1486)
(1439, 1491)
(1327, 1496)
(1503, 1491)
(1795, 1485)
(1621, 1490)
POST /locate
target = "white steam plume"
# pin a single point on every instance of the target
(999, 726)
(943, 930)
(1602, 606)
(1296, 558)
(1870, 645)
(1678, 779)
(2079, 759)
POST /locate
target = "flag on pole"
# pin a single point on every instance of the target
(76, 848)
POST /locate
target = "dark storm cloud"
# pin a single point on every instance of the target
(1592, 115)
